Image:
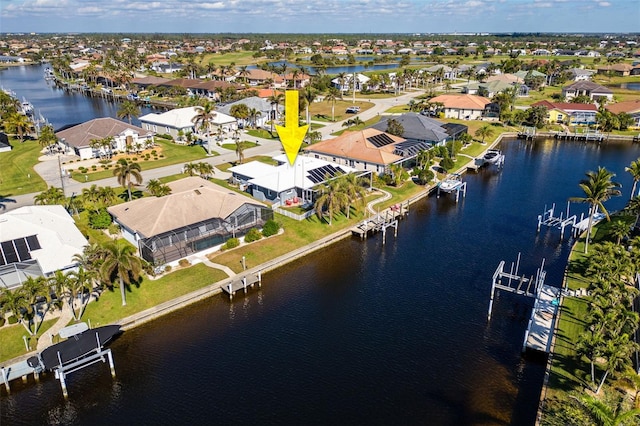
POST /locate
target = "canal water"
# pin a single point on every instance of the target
(59, 107)
(359, 332)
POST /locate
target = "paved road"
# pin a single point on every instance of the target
(49, 168)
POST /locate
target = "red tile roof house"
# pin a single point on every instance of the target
(630, 107)
(467, 107)
(569, 113)
(366, 150)
(78, 139)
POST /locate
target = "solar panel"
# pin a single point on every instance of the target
(22, 249)
(380, 140)
(33, 242)
(321, 173)
(9, 251)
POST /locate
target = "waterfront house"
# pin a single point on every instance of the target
(631, 107)
(285, 183)
(37, 241)
(587, 88)
(198, 215)
(421, 132)
(467, 107)
(80, 139)
(569, 113)
(365, 150)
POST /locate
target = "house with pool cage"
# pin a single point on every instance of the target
(198, 216)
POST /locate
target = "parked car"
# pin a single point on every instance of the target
(353, 109)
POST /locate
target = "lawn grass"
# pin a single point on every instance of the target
(12, 342)
(244, 144)
(262, 133)
(474, 149)
(108, 309)
(298, 234)
(173, 154)
(17, 175)
(367, 123)
(321, 111)
(261, 158)
(227, 58)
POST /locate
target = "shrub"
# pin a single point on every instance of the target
(1, 321)
(100, 219)
(447, 163)
(114, 229)
(271, 227)
(84, 171)
(167, 268)
(12, 319)
(154, 152)
(252, 235)
(231, 243)
(184, 263)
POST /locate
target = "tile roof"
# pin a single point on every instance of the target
(626, 106)
(192, 200)
(567, 106)
(416, 127)
(462, 101)
(587, 85)
(98, 128)
(354, 145)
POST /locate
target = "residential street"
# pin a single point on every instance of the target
(49, 169)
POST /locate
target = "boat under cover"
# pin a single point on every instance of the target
(78, 346)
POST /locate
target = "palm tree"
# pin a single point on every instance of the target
(128, 109)
(4, 199)
(240, 151)
(619, 230)
(190, 168)
(126, 171)
(352, 186)
(332, 96)
(18, 124)
(604, 415)
(275, 100)
(157, 188)
(634, 171)
(598, 188)
(332, 199)
(121, 262)
(204, 169)
(202, 120)
(484, 132)
(254, 113)
(47, 137)
(398, 173)
(309, 94)
(53, 195)
(78, 283)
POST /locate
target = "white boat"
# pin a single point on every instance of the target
(492, 156)
(26, 106)
(451, 183)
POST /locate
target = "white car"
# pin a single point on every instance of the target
(353, 109)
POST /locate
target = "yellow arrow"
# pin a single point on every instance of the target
(291, 135)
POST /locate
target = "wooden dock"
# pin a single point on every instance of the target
(381, 221)
(243, 283)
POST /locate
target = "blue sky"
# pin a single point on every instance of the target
(320, 16)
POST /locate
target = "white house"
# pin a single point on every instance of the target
(347, 84)
(285, 183)
(37, 241)
(80, 139)
(182, 120)
(266, 109)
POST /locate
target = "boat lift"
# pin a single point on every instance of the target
(451, 184)
(565, 219)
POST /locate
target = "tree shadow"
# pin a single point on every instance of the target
(4, 199)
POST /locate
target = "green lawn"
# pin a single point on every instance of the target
(12, 341)
(244, 144)
(367, 123)
(17, 175)
(262, 133)
(109, 309)
(262, 158)
(172, 154)
(321, 111)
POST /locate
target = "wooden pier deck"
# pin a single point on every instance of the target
(543, 320)
(381, 221)
(242, 283)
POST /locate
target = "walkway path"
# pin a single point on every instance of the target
(63, 320)
(387, 195)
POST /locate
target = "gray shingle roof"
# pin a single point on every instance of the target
(417, 127)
